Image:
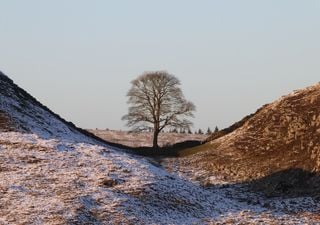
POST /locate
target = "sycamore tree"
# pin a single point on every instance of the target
(155, 102)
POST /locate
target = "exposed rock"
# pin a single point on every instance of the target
(110, 182)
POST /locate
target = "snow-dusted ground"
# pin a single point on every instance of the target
(52, 181)
(29, 115)
(251, 207)
(51, 173)
(49, 181)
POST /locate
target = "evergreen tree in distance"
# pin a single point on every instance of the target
(216, 129)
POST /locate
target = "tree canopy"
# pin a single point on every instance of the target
(156, 101)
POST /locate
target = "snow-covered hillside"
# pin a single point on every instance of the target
(52, 173)
(26, 114)
(53, 181)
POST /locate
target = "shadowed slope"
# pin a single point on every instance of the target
(5, 123)
(52, 173)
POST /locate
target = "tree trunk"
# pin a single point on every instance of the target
(155, 138)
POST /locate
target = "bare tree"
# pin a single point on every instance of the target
(156, 101)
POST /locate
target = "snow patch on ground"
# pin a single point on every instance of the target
(50, 173)
(30, 117)
(52, 181)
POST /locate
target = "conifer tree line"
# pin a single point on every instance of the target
(189, 131)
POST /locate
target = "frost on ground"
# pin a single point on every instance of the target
(49, 181)
(53, 173)
(54, 182)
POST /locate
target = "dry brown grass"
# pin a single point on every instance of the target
(144, 139)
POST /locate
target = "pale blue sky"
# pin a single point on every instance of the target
(79, 56)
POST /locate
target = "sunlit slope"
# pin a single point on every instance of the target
(282, 135)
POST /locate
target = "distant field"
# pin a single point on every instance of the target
(145, 139)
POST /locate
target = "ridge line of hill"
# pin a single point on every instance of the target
(25, 95)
